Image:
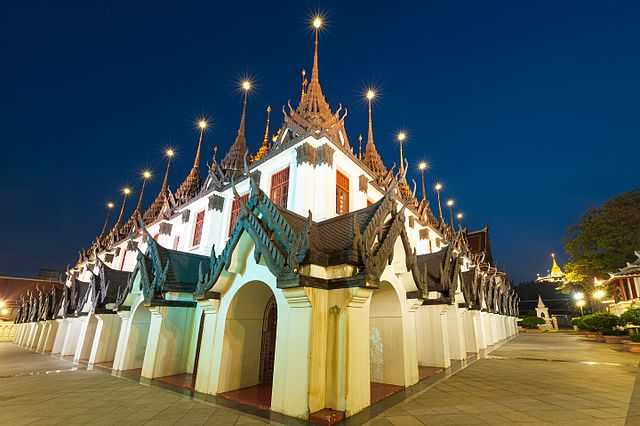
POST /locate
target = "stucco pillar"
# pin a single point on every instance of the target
(355, 326)
(485, 318)
(43, 336)
(432, 336)
(87, 332)
(205, 361)
(35, 336)
(455, 329)
(63, 325)
(105, 340)
(472, 340)
(123, 337)
(168, 344)
(412, 375)
(50, 337)
(71, 338)
(290, 391)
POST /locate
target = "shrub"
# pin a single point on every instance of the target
(531, 321)
(614, 332)
(578, 322)
(632, 316)
(635, 338)
(584, 323)
(601, 321)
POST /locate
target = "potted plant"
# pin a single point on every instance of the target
(615, 336)
(633, 345)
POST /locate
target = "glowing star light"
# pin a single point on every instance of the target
(146, 174)
(438, 187)
(370, 94)
(317, 22)
(110, 205)
(459, 216)
(401, 136)
(202, 124)
(170, 152)
(450, 203)
(246, 85)
(126, 191)
(422, 165)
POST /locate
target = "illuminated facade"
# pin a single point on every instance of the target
(304, 272)
(623, 287)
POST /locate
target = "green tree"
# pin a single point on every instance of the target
(605, 238)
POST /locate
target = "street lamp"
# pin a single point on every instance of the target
(3, 304)
(580, 304)
(577, 296)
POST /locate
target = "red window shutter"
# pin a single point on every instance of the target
(280, 187)
(235, 210)
(342, 193)
(197, 231)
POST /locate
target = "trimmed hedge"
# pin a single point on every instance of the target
(531, 321)
(601, 321)
(632, 316)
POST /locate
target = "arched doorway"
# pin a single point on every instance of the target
(386, 343)
(248, 354)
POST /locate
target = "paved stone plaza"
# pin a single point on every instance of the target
(534, 379)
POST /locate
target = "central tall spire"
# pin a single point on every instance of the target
(233, 162)
(153, 211)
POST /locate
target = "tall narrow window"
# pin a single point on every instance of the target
(342, 193)
(280, 187)
(235, 210)
(197, 230)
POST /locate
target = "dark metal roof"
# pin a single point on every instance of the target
(479, 243)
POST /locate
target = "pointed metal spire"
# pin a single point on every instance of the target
(371, 157)
(153, 211)
(191, 184)
(232, 162)
(266, 143)
(202, 124)
(110, 207)
(146, 175)
(125, 194)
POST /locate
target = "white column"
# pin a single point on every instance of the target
(50, 338)
(455, 329)
(205, 361)
(471, 331)
(290, 391)
(432, 336)
(63, 326)
(43, 336)
(85, 337)
(123, 337)
(105, 340)
(485, 318)
(354, 328)
(71, 338)
(412, 375)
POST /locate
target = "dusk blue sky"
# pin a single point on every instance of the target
(527, 111)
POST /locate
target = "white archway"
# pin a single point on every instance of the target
(386, 337)
(249, 342)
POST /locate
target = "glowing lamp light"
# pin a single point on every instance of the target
(170, 152)
(459, 216)
(246, 85)
(4, 312)
(438, 187)
(422, 165)
(126, 191)
(110, 205)
(370, 94)
(578, 296)
(450, 203)
(146, 174)
(317, 22)
(599, 294)
(2, 304)
(580, 303)
(401, 136)
(202, 124)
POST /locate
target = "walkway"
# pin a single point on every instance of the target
(536, 379)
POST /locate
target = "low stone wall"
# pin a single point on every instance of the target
(7, 331)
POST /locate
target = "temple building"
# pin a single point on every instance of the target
(303, 278)
(623, 287)
(554, 275)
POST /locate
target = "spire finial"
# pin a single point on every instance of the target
(125, 194)
(202, 125)
(233, 161)
(422, 166)
(360, 147)
(264, 148)
(146, 175)
(246, 86)
(401, 137)
(169, 153)
(317, 24)
(438, 187)
(110, 207)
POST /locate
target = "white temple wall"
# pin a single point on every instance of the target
(63, 325)
(433, 336)
(455, 331)
(71, 337)
(85, 338)
(135, 338)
